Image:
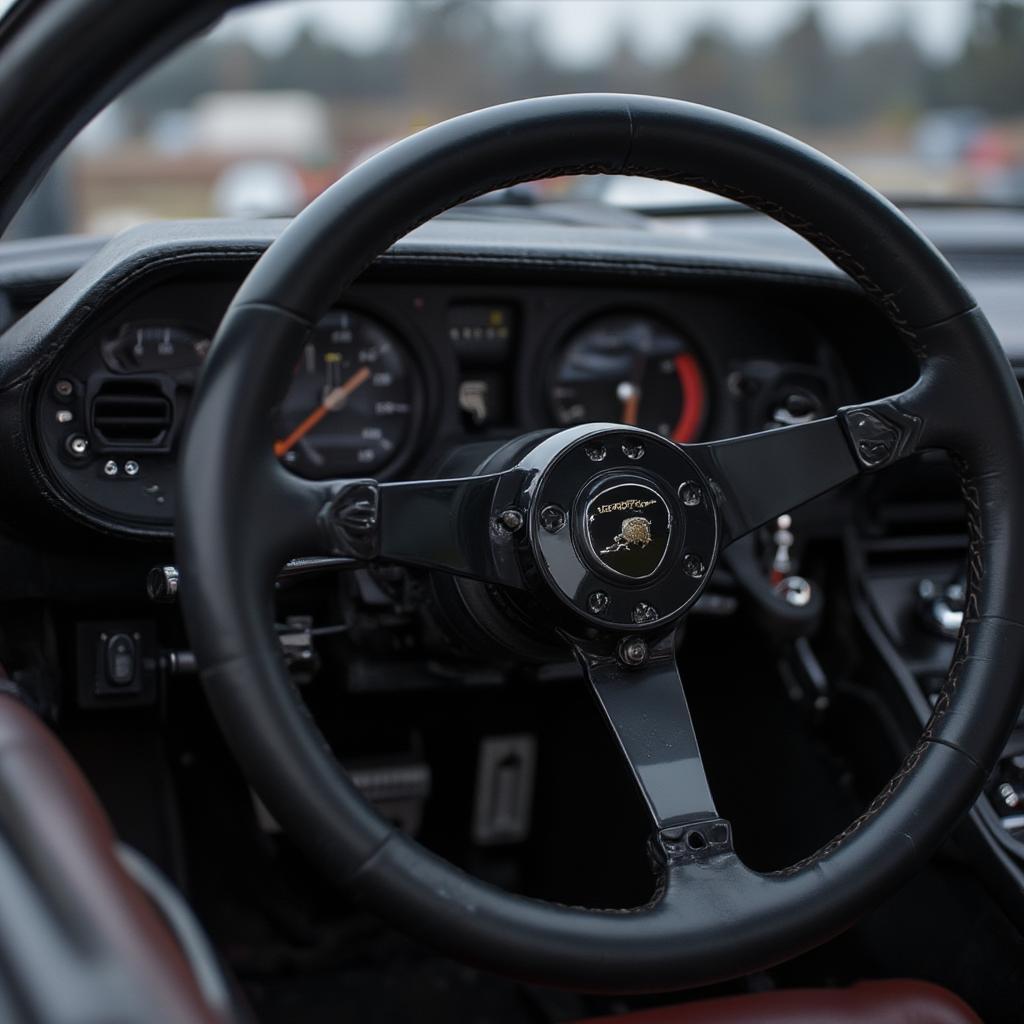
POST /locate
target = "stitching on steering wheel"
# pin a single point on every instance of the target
(825, 244)
(975, 572)
(465, 197)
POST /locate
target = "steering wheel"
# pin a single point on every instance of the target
(609, 533)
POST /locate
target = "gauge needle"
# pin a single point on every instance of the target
(629, 395)
(334, 399)
(629, 391)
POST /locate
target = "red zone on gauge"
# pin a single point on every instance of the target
(691, 385)
(631, 368)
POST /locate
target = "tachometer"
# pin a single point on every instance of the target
(630, 368)
(349, 409)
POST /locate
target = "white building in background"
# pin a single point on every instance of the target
(293, 125)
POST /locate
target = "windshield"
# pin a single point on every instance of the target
(924, 99)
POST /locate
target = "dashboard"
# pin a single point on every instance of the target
(473, 329)
(397, 373)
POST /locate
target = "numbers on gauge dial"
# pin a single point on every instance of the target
(350, 406)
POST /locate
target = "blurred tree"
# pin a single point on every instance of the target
(885, 79)
(809, 72)
(713, 71)
(175, 83)
(989, 73)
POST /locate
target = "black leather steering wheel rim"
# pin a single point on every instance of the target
(712, 917)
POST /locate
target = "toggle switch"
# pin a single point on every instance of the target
(121, 659)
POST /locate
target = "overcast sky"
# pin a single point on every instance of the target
(579, 32)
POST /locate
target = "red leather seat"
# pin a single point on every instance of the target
(869, 1002)
(53, 819)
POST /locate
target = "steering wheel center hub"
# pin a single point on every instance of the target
(623, 526)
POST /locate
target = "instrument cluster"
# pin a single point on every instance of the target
(111, 415)
(350, 408)
(381, 388)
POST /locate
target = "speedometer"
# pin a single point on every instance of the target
(630, 368)
(350, 407)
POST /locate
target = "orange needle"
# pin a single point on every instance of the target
(631, 407)
(629, 395)
(333, 400)
(629, 391)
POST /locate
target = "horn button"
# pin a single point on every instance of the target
(623, 526)
(627, 528)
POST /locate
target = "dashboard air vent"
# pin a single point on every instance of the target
(131, 413)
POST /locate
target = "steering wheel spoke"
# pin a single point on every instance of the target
(758, 477)
(465, 526)
(647, 711)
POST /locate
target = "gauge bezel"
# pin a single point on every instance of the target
(417, 405)
(568, 328)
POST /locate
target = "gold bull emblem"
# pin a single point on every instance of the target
(634, 533)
